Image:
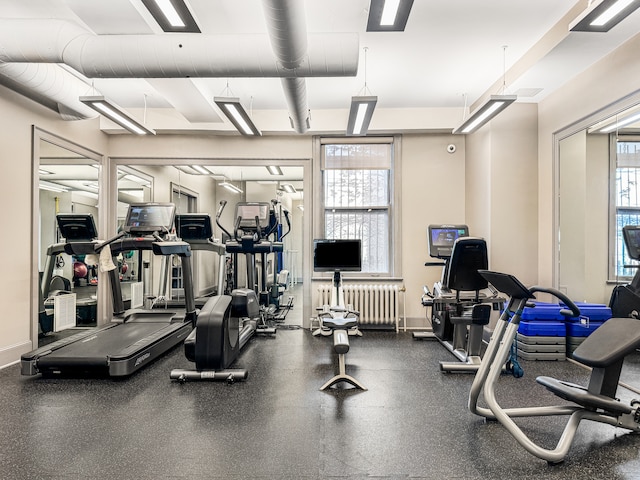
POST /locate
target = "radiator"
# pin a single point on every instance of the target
(378, 304)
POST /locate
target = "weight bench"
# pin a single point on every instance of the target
(604, 353)
(340, 321)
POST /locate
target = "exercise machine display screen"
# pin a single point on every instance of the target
(77, 227)
(337, 255)
(442, 237)
(631, 235)
(194, 226)
(146, 218)
(248, 211)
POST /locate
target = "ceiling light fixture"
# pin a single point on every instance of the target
(230, 186)
(202, 170)
(172, 15)
(388, 15)
(603, 15)
(116, 114)
(235, 112)
(274, 170)
(617, 121)
(287, 187)
(489, 109)
(362, 108)
(52, 187)
(134, 178)
(301, 207)
(44, 172)
(486, 112)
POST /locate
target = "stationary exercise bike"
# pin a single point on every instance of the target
(460, 308)
(604, 351)
(336, 318)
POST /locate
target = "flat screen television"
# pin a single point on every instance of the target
(77, 227)
(147, 218)
(442, 237)
(337, 255)
(249, 211)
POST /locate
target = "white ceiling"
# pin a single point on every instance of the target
(449, 49)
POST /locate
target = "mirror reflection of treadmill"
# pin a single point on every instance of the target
(133, 338)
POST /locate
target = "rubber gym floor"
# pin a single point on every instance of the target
(412, 423)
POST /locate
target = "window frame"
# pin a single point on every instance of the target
(393, 207)
(614, 208)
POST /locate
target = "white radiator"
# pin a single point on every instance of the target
(378, 304)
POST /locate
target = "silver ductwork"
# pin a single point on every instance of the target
(298, 55)
(287, 27)
(50, 85)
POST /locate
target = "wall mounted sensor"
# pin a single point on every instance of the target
(451, 148)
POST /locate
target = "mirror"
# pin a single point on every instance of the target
(595, 197)
(67, 183)
(196, 187)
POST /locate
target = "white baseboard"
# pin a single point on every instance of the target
(11, 354)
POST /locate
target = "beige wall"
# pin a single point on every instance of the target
(437, 187)
(607, 81)
(18, 116)
(501, 179)
(433, 191)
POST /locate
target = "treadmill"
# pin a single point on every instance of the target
(80, 230)
(197, 230)
(134, 338)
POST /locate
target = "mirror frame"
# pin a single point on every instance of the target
(614, 108)
(305, 163)
(39, 135)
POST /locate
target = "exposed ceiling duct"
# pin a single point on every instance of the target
(286, 24)
(50, 85)
(189, 55)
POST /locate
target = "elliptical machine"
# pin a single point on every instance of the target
(224, 326)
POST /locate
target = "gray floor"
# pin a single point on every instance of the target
(412, 422)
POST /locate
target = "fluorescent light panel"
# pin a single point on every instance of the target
(617, 121)
(233, 110)
(134, 178)
(53, 187)
(388, 15)
(274, 170)
(172, 15)
(360, 115)
(116, 114)
(231, 187)
(603, 15)
(202, 170)
(486, 112)
(287, 187)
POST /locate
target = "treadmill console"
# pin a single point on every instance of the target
(247, 212)
(194, 226)
(442, 237)
(77, 227)
(631, 235)
(149, 218)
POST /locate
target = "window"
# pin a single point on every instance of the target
(357, 183)
(627, 200)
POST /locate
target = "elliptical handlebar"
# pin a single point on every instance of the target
(223, 203)
(285, 212)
